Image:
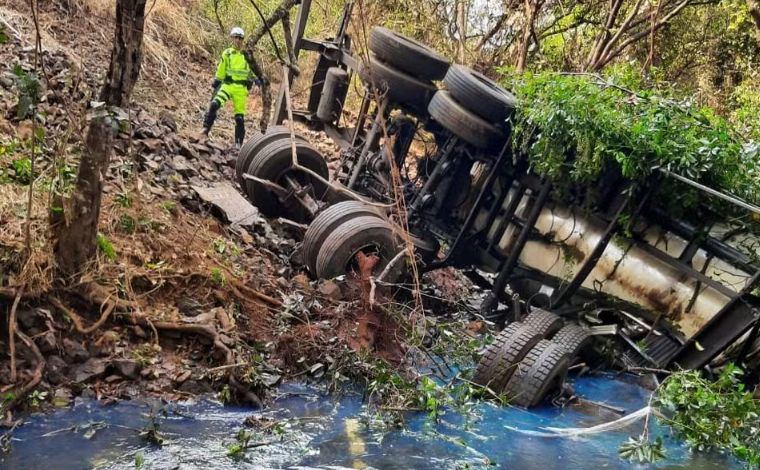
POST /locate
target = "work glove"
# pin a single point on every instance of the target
(216, 84)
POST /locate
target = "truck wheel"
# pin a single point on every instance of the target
(542, 370)
(274, 162)
(368, 234)
(256, 143)
(463, 123)
(501, 358)
(572, 338)
(326, 222)
(407, 54)
(480, 94)
(544, 322)
(401, 88)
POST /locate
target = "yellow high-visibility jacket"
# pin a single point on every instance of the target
(233, 68)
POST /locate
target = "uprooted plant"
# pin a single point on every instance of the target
(708, 414)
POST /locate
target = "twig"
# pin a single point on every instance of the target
(227, 366)
(383, 275)
(12, 327)
(77, 320)
(5, 439)
(648, 369)
(21, 393)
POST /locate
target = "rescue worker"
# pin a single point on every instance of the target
(233, 81)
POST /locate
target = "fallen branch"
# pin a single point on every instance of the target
(100, 295)
(20, 394)
(77, 320)
(383, 275)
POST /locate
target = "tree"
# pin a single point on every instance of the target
(754, 11)
(77, 233)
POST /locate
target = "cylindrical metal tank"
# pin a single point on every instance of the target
(333, 94)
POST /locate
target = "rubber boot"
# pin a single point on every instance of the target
(239, 130)
(208, 121)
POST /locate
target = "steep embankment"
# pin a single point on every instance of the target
(178, 302)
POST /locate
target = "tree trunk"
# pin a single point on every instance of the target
(754, 12)
(461, 20)
(77, 236)
(522, 52)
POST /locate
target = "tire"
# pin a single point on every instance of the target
(407, 55)
(463, 123)
(354, 235)
(271, 163)
(573, 339)
(544, 322)
(543, 369)
(256, 143)
(402, 89)
(480, 94)
(326, 222)
(500, 360)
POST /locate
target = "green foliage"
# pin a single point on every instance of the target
(106, 247)
(139, 460)
(23, 170)
(225, 395)
(123, 200)
(237, 448)
(169, 206)
(28, 92)
(574, 126)
(127, 223)
(218, 276)
(642, 450)
(151, 433)
(37, 397)
(3, 35)
(719, 414)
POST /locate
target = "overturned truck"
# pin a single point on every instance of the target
(560, 269)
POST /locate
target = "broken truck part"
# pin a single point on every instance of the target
(681, 294)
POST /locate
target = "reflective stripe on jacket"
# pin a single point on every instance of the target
(233, 67)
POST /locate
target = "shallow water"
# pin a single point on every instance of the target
(322, 432)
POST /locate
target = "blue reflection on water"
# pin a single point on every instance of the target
(324, 432)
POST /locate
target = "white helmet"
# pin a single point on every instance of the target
(237, 32)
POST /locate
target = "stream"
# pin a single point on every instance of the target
(320, 431)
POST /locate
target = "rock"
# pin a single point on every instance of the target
(139, 332)
(128, 368)
(186, 150)
(47, 343)
(55, 370)
(62, 397)
(152, 145)
(26, 318)
(6, 80)
(195, 387)
(330, 289)
(165, 118)
(91, 369)
(182, 166)
(189, 307)
(74, 351)
(182, 377)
